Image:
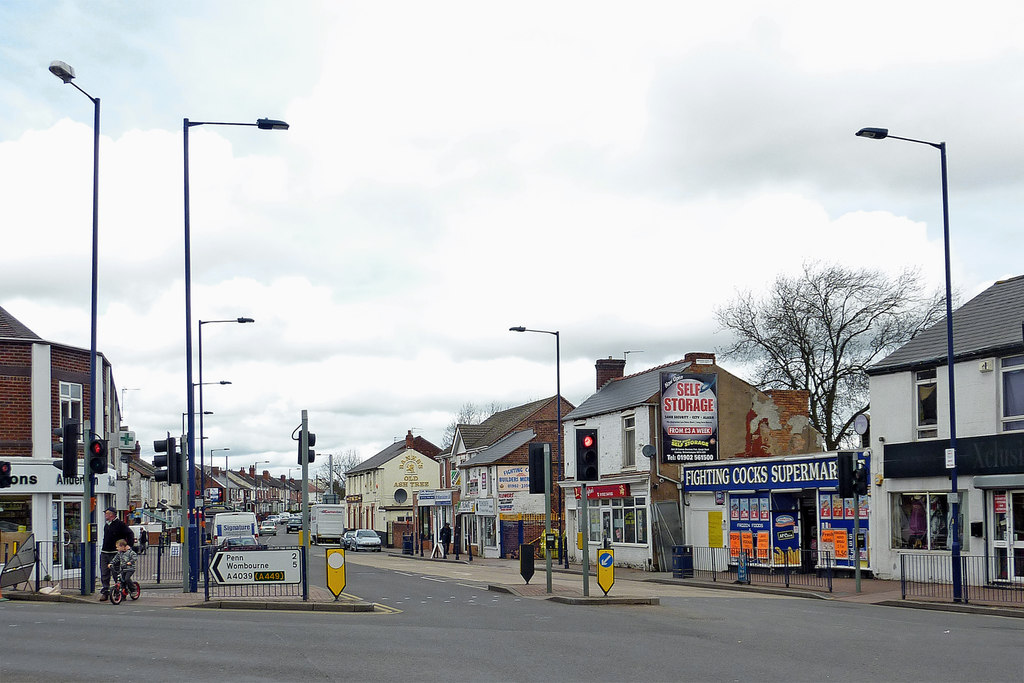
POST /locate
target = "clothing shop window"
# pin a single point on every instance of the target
(1013, 393)
(927, 407)
(629, 441)
(922, 521)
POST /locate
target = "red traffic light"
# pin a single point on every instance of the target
(588, 441)
(96, 447)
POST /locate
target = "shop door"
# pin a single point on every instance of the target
(67, 538)
(1008, 513)
(809, 531)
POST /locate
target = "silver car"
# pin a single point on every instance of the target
(364, 539)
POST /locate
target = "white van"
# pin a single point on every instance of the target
(233, 524)
(326, 522)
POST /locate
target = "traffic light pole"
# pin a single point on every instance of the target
(585, 523)
(304, 450)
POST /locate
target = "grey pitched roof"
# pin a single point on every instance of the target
(12, 328)
(987, 325)
(420, 445)
(499, 425)
(500, 449)
(625, 392)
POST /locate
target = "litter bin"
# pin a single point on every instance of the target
(682, 561)
(407, 544)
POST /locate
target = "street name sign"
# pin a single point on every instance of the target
(235, 567)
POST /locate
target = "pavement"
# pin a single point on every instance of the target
(632, 586)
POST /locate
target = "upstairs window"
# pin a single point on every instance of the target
(629, 441)
(71, 404)
(927, 408)
(1013, 393)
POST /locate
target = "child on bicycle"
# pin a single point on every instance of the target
(123, 564)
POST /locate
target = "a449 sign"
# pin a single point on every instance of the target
(232, 567)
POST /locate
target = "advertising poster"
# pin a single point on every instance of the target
(755, 509)
(841, 543)
(689, 417)
(787, 541)
(744, 509)
(715, 528)
(734, 508)
(764, 542)
(747, 538)
(734, 543)
(837, 506)
(865, 506)
(847, 508)
(825, 505)
(765, 509)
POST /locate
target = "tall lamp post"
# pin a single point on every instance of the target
(256, 483)
(558, 440)
(956, 570)
(193, 531)
(66, 73)
(225, 501)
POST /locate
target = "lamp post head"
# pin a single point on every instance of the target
(873, 133)
(224, 381)
(270, 124)
(61, 70)
(245, 320)
(520, 328)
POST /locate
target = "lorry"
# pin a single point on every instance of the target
(233, 525)
(326, 522)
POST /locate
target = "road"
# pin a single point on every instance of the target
(438, 622)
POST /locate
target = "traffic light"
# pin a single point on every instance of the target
(586, 455)
(310, 441)
(5, 474)
(171, 461)
(67, 448)
(844, 474)
(860, 479)
(98, 456)
(536, 461)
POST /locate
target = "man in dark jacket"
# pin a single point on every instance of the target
(113, 531)
(446, 538)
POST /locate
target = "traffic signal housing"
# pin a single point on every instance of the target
(169, 464)
(67, 448)
(98, 456)
(310, 442)
(6, 480)
(586, 455)
(536, 462)
(844, 474)
(860, 479)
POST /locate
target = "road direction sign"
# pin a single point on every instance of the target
(336, 571)
(605, 569)
(234, 567)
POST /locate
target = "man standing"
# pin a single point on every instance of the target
(446, 538)
(113, 531)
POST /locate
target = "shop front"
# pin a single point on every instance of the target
(779, 512)
(47, 506)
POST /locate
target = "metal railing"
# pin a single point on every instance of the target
(60, 564)
(928, 577)
(812, 569)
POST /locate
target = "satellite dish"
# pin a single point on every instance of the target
(649, 451)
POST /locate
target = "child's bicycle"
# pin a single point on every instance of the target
(124, 586)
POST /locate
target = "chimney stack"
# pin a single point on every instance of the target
(700, 358)
(410, 443)
(608, 369)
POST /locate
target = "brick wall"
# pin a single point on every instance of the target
(15, 400)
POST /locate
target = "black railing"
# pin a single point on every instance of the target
(60, 564)
(807, 568)
(927, 577)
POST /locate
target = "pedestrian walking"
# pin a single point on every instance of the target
(446, 538)
(113, 531)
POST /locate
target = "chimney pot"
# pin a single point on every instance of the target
(609, 369)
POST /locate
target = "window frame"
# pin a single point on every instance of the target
(926, 539)
(629, 441)
(1012, 366)
(70, 405)
(922, 380)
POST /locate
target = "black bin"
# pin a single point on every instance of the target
(682, 561)
(407, 544)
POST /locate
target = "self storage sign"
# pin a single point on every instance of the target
(256, 566)
(689, 417)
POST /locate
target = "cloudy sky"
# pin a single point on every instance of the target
(613, 171)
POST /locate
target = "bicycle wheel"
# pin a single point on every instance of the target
(136, 590)
(116, 594)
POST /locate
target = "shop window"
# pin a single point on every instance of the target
(927, 407)
(1013, 393)
(629, 441)
(70, 403)
(487, 531)
(922, 521)
(621, 520)
(16, 514)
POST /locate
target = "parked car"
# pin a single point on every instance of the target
(268, 528)
(347, 539)
(294, 524)
(365, 539)
(241, 543)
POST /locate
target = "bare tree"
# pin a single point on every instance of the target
(469, 414)
(343, 462)
(821, 330)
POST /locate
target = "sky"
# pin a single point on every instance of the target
(612, 171)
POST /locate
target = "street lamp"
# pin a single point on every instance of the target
(214, 450)
(202, 459)
(547, 459)
(192, 546)
(256, 482)
(66, 73)
(956, 574)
